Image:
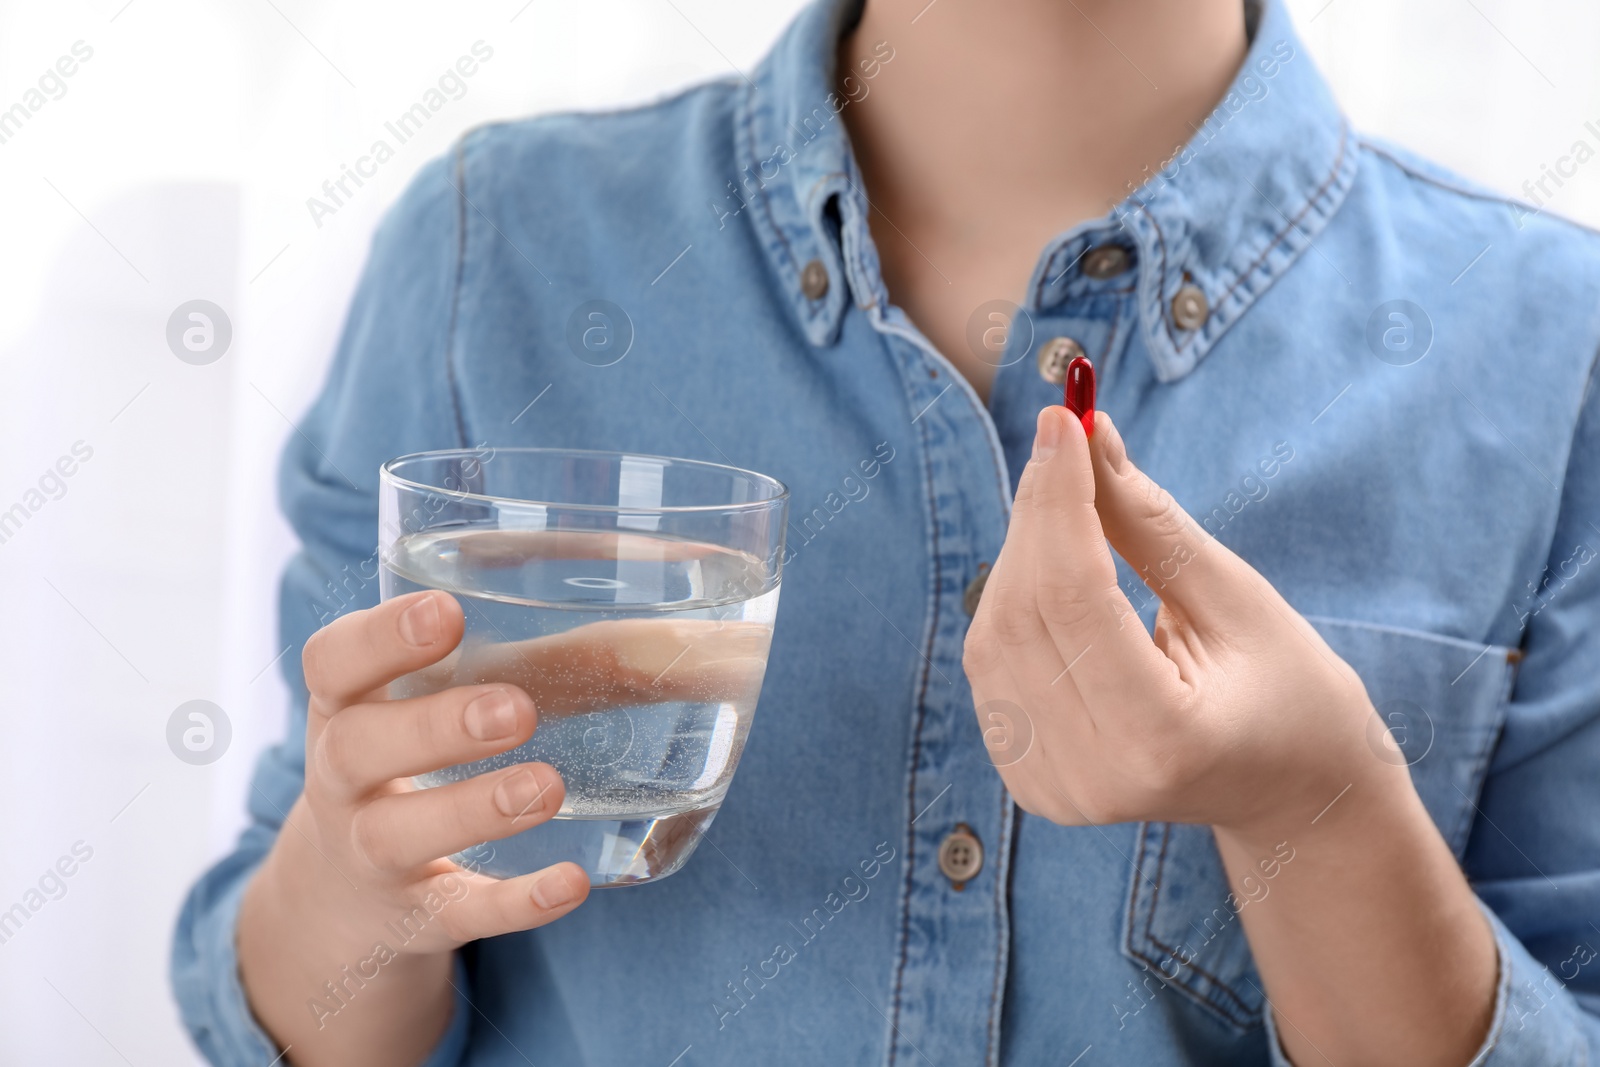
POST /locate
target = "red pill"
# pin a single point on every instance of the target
(1078, 396)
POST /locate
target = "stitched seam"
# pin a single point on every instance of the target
(1133, 887)
(1000, 887)
(1002, 481)
(844, 256)
(1338, 162)
(1012, 819)
(730, 81)
(1218, 984)
(1155, 893)
(1448, 640)
(1002, 485)
(916, 754)
(1485, 195)
(450, 350)
(1149, 926)
(1480, 762)
(1161, 275)
(761, 189)
(1244, 1019)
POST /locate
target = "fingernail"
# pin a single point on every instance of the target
(419, 624)
(491, 717)
(1048, 437)
(552, 889)
(519, 795)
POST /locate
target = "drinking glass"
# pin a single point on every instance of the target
(632, 597)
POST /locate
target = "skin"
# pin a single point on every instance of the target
(1236, 714)
(364, 846)
(1371, 947)
(345, 864)
(998, 125)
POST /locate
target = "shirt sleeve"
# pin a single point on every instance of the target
(389, 392)
(1533, 856)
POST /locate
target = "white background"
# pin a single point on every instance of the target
(177, 166)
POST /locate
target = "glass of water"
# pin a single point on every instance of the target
(633, 598)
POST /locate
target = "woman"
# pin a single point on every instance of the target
(1341, 807)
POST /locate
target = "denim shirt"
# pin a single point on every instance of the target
(1368, 378)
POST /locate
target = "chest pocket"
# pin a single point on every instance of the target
(1444, 702)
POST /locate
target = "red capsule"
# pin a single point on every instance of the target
(1078, 396)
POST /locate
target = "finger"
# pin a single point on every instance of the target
(1007, 636)
(491, 908)
(515, 548)
(354, 655)
(620, 663)
(1192, 572)
(367, 745)
(1074, 587)
(669, 844)
(1026, 728)
(1038, 730)
(1033, 719)
(407, 828)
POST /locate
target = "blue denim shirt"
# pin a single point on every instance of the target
(1370, 379)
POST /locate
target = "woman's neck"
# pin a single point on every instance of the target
(997, 124)
(1041, 102)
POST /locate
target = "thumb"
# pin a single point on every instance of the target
(1193, 573)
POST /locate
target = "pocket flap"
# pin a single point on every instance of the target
(1443, 700)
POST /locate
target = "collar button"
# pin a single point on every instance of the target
(1106, 261)
(1189, 308)
(814, 280)
(1054, 355)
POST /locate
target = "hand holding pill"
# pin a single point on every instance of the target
(1235, 711)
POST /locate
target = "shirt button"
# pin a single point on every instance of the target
(1189, 308)
(974, 593)
(1106, 261)
(1054, 355)
(960, 856)
(814, 280)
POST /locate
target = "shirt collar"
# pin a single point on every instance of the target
(1226, 215)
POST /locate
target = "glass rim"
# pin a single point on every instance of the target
(386, 473)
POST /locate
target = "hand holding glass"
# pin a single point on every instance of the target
(632, 597)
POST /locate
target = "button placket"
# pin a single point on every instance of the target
(1086, 296)
(950, 973)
